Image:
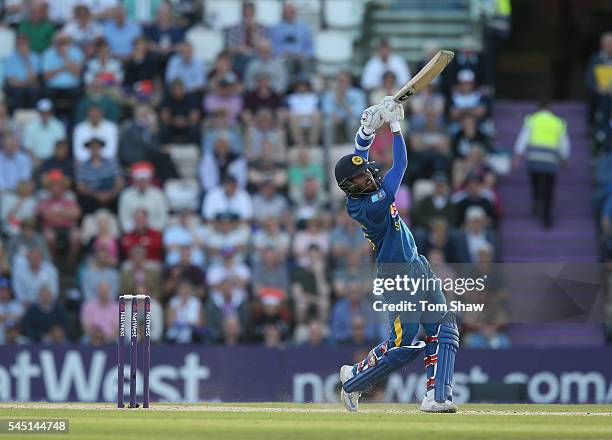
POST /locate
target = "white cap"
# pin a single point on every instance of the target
(44, 105)
(475, 212)
(465, 75)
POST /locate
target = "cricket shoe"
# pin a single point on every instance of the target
(430, 405)
(350, 400)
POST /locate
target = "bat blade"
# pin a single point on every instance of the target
(425, 76)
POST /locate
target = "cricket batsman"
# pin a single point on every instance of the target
(370, 202)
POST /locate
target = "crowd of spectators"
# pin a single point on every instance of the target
(266, 254)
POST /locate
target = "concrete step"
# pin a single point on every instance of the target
(420, 15)
(584, 179)
(420, 29)
(573, 237)
(516, 212)
(410, 55)
(417, 4)
(571, 248)
(401, 44)
(534, 235)
(567, 259)
(563, 225)
(515, 208)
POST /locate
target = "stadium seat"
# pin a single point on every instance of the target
(186, 158)
(310, 12)
(60, 10)
(308, 7)
(268, 12)
(421, 189)
(206, 43)
(333, 51)
(182, 194)
(7, 41)
(222, 14)
(343, 14)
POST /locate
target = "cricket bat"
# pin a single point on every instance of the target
(425, 76)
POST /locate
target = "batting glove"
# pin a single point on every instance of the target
(372, 118)
(392, 112)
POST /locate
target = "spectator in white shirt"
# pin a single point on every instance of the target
(143, 195)
(228, 281)
(83, 29)
(384, 60)
(466, 99)
(42, 132)
(95, 126)
(304, 116)
(225, 232)
(227, 198)
(60, 11)
(184, 233)
(31, 273)
(103, 66)
(184, 315)
(475, 234)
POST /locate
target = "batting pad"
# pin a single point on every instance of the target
(378, 368)
(448, 344)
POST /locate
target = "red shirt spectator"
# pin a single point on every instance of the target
(59, 210)
(143, 235)
(59, 214)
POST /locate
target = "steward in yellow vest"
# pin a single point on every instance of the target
(544, 142)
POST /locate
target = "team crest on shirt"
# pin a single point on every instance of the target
(393, 209)
(379, 195)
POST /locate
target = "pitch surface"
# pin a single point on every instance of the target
(270, 421)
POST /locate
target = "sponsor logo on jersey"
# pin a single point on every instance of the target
(380, 195)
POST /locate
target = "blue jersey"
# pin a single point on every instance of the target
(377, 214)
(382, 225)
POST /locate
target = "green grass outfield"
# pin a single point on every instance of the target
(269, 421)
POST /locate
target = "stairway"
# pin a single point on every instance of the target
(573, 238)
(409, 24)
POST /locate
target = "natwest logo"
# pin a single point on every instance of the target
(31, 377)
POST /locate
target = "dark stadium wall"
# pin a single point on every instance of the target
(550, 43)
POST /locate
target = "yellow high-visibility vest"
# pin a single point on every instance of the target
(545, 129)
(503, 7)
